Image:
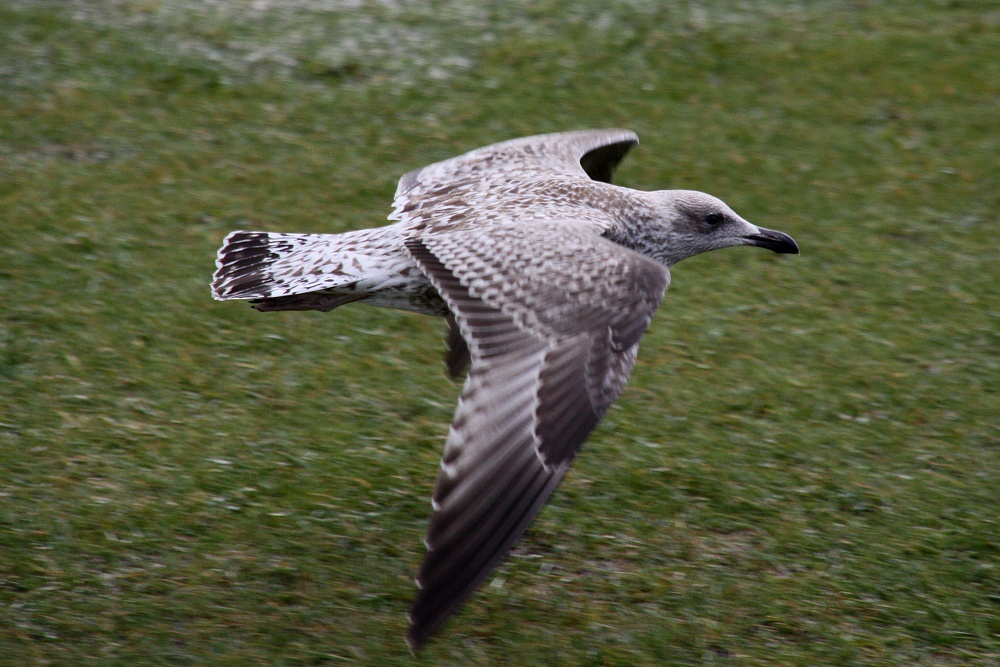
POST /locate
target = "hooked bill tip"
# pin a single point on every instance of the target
(774, 241)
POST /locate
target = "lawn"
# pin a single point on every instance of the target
(804, 469)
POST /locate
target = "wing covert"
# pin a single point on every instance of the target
(585, 154)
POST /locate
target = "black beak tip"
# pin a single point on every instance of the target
(774, 241)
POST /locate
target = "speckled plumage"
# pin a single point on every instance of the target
(548, 275)
(520, 180)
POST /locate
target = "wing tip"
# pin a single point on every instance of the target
(422, 628)
(418, 632)
(414, 642)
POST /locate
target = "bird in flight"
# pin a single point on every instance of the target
(547, 275)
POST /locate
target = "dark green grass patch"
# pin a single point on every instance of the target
(803, 470)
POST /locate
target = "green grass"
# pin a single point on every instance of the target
(803, 471)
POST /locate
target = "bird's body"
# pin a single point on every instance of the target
(457, 194)
(548, 275)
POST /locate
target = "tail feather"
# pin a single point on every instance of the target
(268, 265)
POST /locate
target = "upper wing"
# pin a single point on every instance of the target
(552, 316)
(587, 153)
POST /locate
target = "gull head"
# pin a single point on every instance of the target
(690, 223)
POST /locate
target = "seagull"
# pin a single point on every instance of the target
(547, 275)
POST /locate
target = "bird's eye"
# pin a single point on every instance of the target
(714, 218)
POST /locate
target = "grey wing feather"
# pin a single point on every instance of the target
(587, 153)
(548, 359)
(457, 360)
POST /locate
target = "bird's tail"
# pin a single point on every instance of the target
(273, 267)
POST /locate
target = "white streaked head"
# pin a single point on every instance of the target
(694, 222)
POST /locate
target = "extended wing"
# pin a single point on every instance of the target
(552, 317)
(588, 154)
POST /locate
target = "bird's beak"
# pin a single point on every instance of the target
(776, 241)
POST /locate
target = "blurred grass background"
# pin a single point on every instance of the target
(803, 471)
